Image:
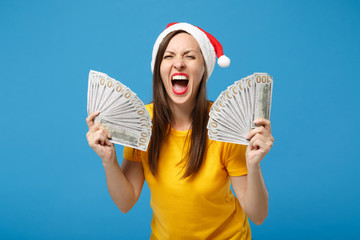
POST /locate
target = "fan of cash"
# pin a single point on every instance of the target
(122, 113)
(234, 111)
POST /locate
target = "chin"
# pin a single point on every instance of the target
(179, 100)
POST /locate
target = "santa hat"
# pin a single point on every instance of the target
(210, 47)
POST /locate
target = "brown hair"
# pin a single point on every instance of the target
(163, 119)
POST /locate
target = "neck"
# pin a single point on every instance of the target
(181, 116)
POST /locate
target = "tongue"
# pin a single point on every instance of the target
(179, 85)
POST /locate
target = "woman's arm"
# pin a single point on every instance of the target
(250, 189)
(125, 183)
(252, 195)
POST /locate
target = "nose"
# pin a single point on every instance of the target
(179, 63)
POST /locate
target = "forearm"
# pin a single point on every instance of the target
(120, 189)
(256, 198)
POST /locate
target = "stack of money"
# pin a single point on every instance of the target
(233, 113)
(122, 113)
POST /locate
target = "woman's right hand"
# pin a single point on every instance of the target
(98, 139)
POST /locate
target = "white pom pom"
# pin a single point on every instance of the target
(224, 61)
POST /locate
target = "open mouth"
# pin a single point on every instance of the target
(180, 83)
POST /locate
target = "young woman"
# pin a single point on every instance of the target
(189, 175)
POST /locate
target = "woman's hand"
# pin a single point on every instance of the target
(261, 142)
(98, 139)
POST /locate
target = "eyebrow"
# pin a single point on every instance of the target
(190, 51)
(186, 52)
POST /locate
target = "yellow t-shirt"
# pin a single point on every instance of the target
(202, 208)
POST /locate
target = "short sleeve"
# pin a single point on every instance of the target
(235, 159)
(132, 154)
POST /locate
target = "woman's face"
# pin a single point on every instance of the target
(182, 69)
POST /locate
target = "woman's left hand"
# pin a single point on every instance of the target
(261, 142)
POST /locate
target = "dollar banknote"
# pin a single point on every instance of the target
(122, 113)
(233, 113)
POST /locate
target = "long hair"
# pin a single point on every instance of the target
(163, 119)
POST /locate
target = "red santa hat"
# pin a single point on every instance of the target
(210, 47)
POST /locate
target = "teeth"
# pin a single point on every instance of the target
(179, 77)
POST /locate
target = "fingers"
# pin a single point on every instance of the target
(99, 137)
(261, 142)
(90, 118)
(96, 127)
(258, 130)
(98, 134)
(257, 144)
(107, 142)
(263, 122)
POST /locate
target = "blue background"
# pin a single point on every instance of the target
(52, 185)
